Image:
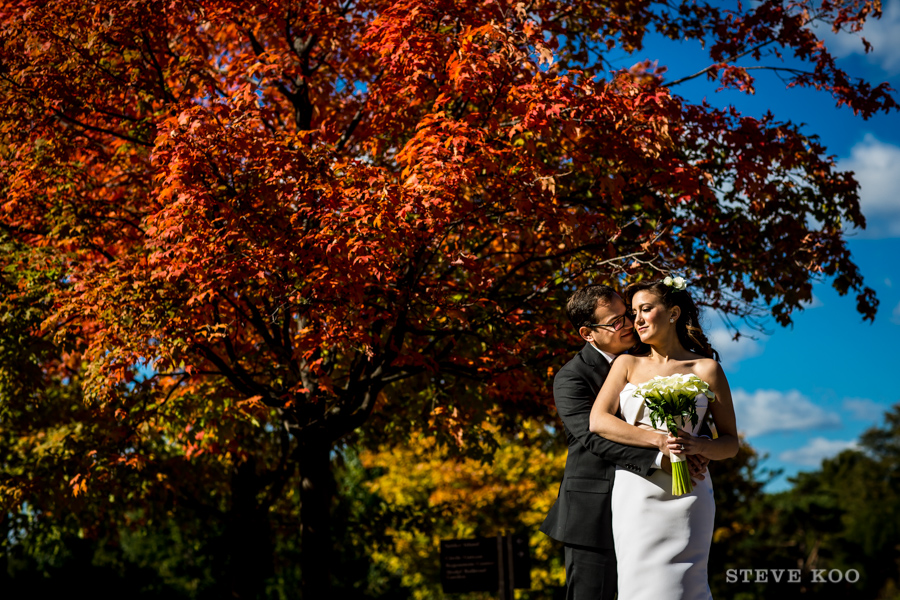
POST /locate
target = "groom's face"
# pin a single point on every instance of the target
(606, 338)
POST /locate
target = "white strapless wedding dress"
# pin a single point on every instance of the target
(662, 541)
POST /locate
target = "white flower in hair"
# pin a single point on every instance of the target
(678, 283)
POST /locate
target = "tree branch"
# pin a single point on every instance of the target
(85, 126)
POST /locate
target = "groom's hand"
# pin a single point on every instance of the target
(665, 464)
(697, 466)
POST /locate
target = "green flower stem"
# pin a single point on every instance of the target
(681, 478)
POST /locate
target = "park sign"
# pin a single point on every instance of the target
(494, 564)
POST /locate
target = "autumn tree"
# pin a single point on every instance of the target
(160, 515)
(279, 222)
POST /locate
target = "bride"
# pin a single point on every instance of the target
(662, 541)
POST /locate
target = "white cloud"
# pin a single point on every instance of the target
(888, 282)
(732, 352)
(765, 411)
(863, 409)
(814, 302)
(817, 449)
(877, 169)
(881, 33)
(895, 316)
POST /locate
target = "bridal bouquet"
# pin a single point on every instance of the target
(673, 400)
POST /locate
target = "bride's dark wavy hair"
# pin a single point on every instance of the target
(690, 332)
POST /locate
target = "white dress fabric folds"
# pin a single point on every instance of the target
(662, 541)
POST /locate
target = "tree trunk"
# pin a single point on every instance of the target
(316, 494)
(247, 536)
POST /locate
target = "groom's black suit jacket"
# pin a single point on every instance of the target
(581, 515)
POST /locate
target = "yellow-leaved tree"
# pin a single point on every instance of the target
(440, 496)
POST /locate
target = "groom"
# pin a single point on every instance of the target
(581, 517)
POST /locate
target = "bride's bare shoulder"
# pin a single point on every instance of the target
(625, 364)
(631, 360)
(624, 361)
(707, 368)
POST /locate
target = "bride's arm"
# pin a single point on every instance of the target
(604, 421)
(726, 445)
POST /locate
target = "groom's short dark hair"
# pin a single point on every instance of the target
(582, 304)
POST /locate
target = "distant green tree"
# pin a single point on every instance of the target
(844, 516)
(738, 486)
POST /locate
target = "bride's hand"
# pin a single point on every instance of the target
(684, 444)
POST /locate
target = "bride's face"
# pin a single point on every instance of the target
(651, 317)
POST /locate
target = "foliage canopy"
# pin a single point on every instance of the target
(255, 227)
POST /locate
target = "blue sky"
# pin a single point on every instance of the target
(806, 393)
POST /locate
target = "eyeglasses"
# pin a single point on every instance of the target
(616, 325)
